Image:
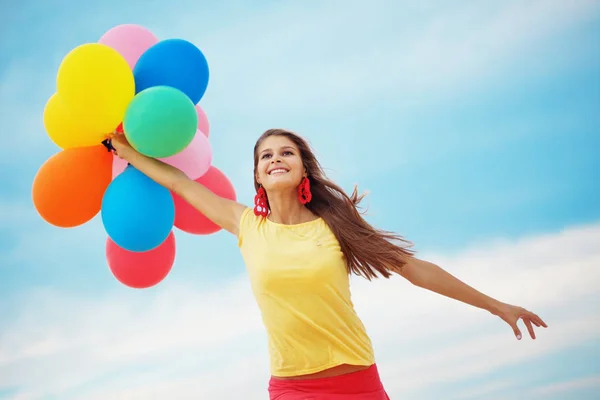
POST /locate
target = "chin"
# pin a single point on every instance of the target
(281, 183)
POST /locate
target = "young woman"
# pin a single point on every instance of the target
(300, 242)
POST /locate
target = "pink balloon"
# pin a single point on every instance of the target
(130, 40)
(203, 124)
(118, 166)
(141, 270)
(194, 160)
(189, 219)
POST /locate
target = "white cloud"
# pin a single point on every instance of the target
(178, 342)
(464, 359)
(566, 386)
(484, 390)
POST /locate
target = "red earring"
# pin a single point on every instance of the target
(304, 194)
(260, 203)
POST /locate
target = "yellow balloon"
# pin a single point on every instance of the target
(96, 85)
(64, 129)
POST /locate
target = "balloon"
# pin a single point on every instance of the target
(190, 220)
(160, 122)
(96, 84)
(64, 129)
(118, 166)
(137, 212)
(67, 190)
(176, 63)
(203, 124)
(130, 40)
(141, 270)
(194, 160)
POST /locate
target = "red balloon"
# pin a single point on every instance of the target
(141, 270)
(190, 220)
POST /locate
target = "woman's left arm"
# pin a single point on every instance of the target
(429, 276)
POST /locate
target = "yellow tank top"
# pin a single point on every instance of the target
(299, 279)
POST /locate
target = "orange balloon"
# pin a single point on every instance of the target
(68, 189)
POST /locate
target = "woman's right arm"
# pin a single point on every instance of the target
(224, 212)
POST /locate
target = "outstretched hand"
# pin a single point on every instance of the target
(512, 314)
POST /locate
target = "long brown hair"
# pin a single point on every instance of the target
(368, 251)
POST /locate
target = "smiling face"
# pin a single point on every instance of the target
(279, 165)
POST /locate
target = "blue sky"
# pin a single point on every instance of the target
(475, 128)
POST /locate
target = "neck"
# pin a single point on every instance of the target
(286, 209)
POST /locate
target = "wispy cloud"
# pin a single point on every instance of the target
(353, 59)
(352, 52)
(484, 390)
(192, 344)
(559, 388)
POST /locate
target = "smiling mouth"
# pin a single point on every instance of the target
(278, 171)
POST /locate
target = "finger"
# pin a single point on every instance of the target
(536, 320)
(531, 317)
(539, 321)
(517, 331)
(529, 327)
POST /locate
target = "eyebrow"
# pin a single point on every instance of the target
(283, 147)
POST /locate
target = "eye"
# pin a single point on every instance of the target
(287, 153)
(265, 156)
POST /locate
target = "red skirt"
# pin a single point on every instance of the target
(363, 385)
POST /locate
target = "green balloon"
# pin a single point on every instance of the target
(160, 121)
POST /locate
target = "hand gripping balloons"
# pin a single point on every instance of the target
(193, 161)
(68, 189)
(141, 270)
(160, 122)
(132, 83)
(137, 213)
(96, 85)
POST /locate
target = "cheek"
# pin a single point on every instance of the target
(261, 168)
(298, 167)
(293, 161)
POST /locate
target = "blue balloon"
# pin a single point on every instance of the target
(176, 63)
(138, 214)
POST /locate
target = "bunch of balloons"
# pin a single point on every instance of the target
(129, 82)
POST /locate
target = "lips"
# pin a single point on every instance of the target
(278, 171)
